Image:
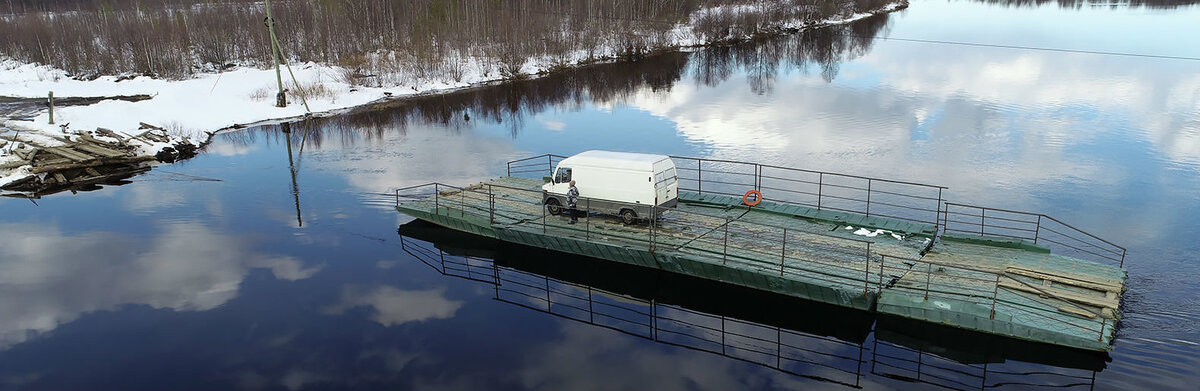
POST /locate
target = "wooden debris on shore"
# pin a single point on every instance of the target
(84, 161)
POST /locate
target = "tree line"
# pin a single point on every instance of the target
(383, 42)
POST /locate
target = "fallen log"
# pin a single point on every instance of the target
(95, 163)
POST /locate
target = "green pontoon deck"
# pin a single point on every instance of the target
(872, 244)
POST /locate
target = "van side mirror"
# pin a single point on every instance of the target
(547, 179)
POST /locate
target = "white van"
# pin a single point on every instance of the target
(611, 183)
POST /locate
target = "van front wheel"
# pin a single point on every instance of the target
(628, 216)
(553, 207)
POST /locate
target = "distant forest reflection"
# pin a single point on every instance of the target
(1077, 4)
(510, 103)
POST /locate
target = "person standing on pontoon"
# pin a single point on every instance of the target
(572, 200)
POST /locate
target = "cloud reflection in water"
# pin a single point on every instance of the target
(51, 278)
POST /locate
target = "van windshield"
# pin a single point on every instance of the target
(563, 176)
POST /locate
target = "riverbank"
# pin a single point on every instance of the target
(195, 109)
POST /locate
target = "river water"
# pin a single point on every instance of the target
(238, 269)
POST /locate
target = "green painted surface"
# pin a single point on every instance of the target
(823, 216)
(996, 242)
(826, 257)
(976, 316)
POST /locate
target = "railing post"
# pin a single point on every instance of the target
(820, 187)
(1037, 231)
(936, 217)
(462, 202)
(868, 198)
(945, 218)
(928, 276)
(982, 219)
(508, 169)
(995, 291)
(652, 218)
(867, 271)
(587, 218)
(437, 196)
(1103, 322)
(783, 252)
(881, 271)
(543, 218)
(725, 244)
(757, 176)
(699, 178)
(491, 205)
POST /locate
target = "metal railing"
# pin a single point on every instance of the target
(820, 190)
(1033, 228)
(898, 200)
(763, 248)
(977, 286)
(756, 246)
(541, 165)
(892, 199)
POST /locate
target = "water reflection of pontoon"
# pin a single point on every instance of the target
(812, 340)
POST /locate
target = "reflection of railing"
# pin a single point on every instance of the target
(789, 351)
(887, 198)
(765, 248)
(1038, 229)
(471, 268)
(914, 365)
(970, 366)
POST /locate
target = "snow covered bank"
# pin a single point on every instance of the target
(196, 107)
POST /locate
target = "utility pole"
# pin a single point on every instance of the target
(280, 98)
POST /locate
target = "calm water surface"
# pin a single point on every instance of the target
(229, 272)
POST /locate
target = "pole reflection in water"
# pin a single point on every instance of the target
(287, 130)
(811, 340)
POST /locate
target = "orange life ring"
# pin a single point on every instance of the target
(757, 197)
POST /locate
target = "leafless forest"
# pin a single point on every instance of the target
(378, 41)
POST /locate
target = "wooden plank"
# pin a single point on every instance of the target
(1089, 282)
(14, 164)
(1106, 313)
(1077, 311)
(1097, 301)
(69, 154)
(96, 149)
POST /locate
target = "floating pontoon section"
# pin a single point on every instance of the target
(872, 244)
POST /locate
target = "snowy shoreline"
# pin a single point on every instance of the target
(197, 108)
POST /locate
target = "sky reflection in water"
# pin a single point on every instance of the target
(176, 282)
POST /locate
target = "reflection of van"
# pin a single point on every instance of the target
(611, 183)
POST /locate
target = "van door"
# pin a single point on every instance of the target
(665, 186)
